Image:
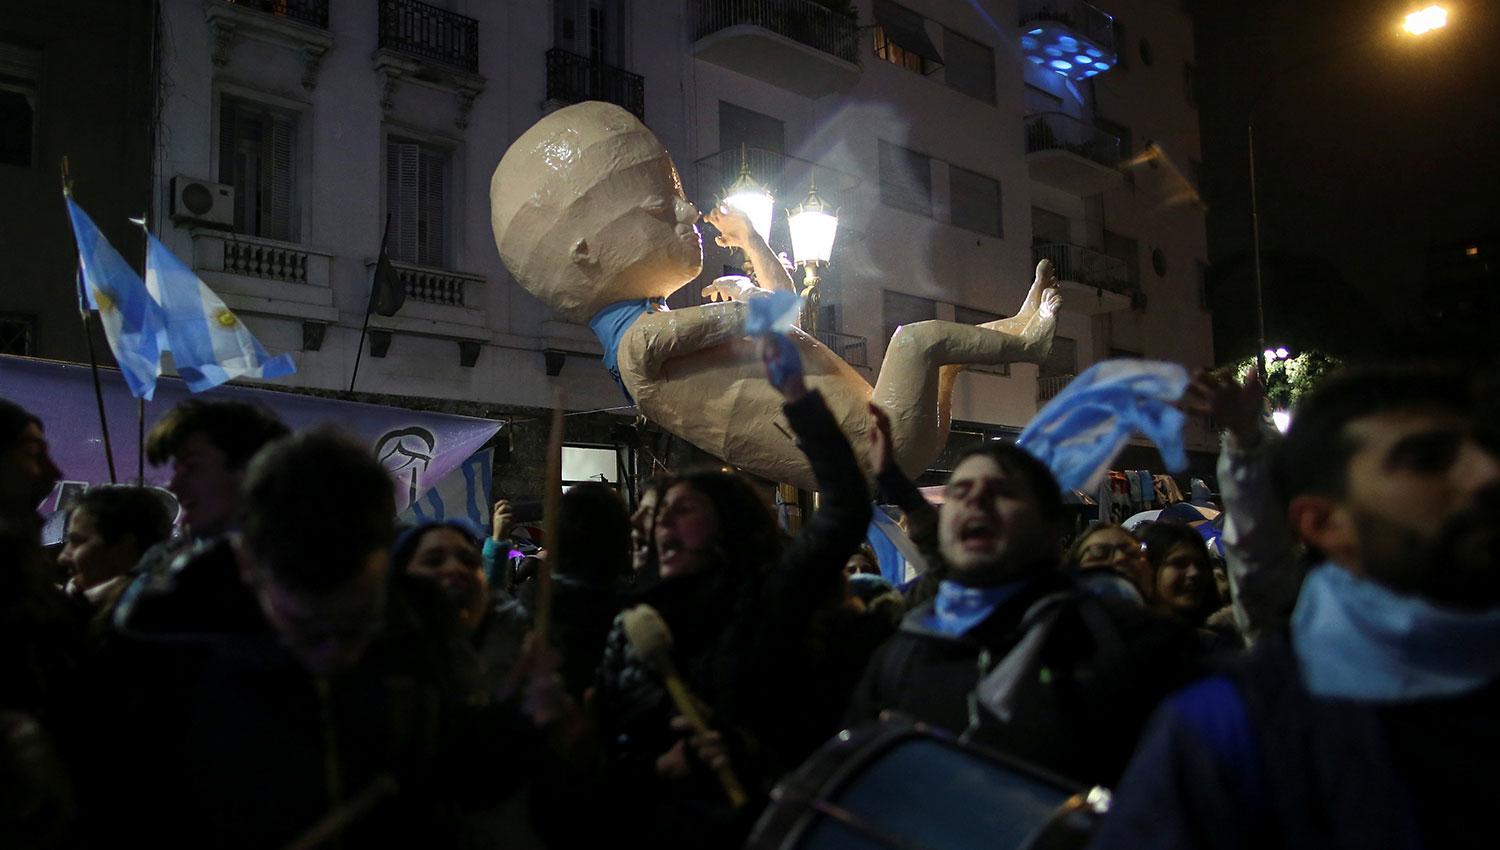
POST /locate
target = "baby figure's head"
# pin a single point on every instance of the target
(588, 210)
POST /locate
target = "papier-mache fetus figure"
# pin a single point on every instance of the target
(589, 216)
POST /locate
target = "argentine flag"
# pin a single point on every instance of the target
(1081, 430)
(132, 322)
(209, 343)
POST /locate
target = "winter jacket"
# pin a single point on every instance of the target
(1076, 706)
(1249, 759)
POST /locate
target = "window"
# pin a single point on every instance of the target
(257, 156)
(974, 201)
(905, 179)
(1049, 228)
(1062, 360)
(1124, 248)
(1037, 100)
(970, 316)
(898, 308)
(17, 334)
(18, 104)
(901, 38)
(416, 189)
(970, 67)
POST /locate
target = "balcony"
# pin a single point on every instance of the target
(848, 346)
(431, 46)
(265, 276)
(798, 45)
(299, 25)
(430, 33)
(439, 303)
(1069, 154)
(1091, 282)
(1069, 37)
(572, 78)
(1048, 386)
(310, 12)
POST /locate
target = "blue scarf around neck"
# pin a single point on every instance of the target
(1359, 640)
(958, 608)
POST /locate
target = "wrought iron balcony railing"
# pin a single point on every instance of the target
(848, 346)
(1050, 131)
(312, 12)
(804, 21)
(430, 33)
(1091, 23)
(1086, 266)
(1051, 385)
(572, 78)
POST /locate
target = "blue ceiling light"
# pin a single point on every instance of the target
(1067, 51)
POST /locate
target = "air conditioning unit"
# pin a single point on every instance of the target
(202, 202)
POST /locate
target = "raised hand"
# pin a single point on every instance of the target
(502, 520)
(730, 287)
(735, 230)
(783, 366)
(1236, 407)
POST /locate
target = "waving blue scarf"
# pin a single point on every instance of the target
(1079, 432)
(1356, 639)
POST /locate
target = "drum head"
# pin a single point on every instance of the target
(901, 786)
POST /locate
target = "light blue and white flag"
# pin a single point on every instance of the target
(209, 343)
(1081, 430)
(132, 320)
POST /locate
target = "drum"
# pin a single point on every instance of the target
(900, 786)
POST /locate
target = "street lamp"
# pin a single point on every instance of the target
(1425, 20)
(813, 225)
(748, 196)
(1417, 23)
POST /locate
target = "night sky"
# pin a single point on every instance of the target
(1372, 146)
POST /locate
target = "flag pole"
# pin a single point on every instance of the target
(88, 336)
(140, 410)
(370, 303)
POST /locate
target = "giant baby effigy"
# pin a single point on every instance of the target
(589, 216)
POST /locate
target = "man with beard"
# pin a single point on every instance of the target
(1371, 721)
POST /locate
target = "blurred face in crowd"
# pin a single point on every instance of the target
(90, 559)
(1183, 580)
(27, 473)
(327, 630)
(449, 559)
(687, 531)
(1421, 508)
(1115, 549)
(991, 529)
(643, 528)
(859, 564)
(205, 486)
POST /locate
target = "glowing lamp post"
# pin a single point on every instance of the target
(751, 198)
(814, 225)
(1426, 20)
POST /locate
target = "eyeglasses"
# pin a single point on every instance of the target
(1105, 551)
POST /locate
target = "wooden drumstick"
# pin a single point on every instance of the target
(648, 633)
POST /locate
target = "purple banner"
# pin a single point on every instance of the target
(419, 448)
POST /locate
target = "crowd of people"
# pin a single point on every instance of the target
(292, 669)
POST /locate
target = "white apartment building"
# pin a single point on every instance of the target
(955, 152)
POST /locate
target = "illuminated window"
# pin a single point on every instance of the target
(901, 38)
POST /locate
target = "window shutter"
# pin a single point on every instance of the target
(401, 198)
(431, 208)
(279, 224)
